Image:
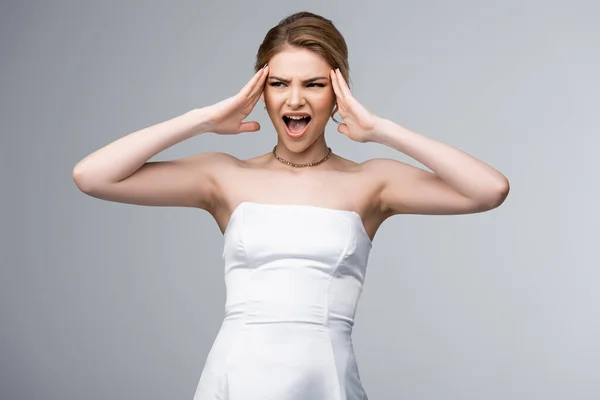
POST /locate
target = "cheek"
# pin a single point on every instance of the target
(270, 93)
(320, 99)
(326, 105)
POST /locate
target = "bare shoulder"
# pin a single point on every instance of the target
(377, 166)
(202, 174)
(215, 158)
(382, 172)
(367, 176)
(215, 164)
(375, 170)
(219, 167)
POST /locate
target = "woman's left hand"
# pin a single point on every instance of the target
(359, 123)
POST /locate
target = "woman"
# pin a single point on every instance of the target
(298, 221)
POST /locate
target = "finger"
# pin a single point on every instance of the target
(248, 88)
(251, 126)
(334, 83)
(260, 85)
(254, 95)
(342, 84)
(343, 129)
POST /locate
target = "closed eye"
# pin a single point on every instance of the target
(310, 84)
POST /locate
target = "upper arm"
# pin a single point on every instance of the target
(405, 189)
(187, 182)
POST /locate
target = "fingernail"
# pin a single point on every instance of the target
(265, 66)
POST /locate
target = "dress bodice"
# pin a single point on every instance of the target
(294, 262)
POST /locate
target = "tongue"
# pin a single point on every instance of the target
(296, 126)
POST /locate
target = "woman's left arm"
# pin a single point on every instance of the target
(459, 183)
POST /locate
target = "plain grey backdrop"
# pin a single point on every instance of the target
(103, 300)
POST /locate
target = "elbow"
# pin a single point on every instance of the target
(81, 179)
(496, 197)
(78, 179)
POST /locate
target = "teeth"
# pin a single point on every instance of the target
(296, 117)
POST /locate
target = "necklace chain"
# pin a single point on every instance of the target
(312, 164)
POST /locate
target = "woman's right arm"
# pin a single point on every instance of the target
(121, 172)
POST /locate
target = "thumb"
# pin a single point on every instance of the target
(343, 129)
(251, 126)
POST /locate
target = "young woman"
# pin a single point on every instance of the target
(298, 221)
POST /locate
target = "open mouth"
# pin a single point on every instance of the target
(296, 125)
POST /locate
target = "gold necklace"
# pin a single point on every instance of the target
(312, 164)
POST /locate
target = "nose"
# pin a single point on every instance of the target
(295, 98)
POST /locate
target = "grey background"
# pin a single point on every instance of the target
(104, 300)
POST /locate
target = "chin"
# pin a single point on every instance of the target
(295, 146)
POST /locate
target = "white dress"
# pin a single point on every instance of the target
(293, 277)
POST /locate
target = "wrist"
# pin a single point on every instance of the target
(380, 129)
(200, 120)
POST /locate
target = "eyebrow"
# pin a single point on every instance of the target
(305, 81)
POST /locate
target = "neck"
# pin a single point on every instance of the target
(313, 153)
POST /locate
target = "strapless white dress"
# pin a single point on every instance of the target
(293, 277)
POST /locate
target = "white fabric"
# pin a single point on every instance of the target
(293, 275)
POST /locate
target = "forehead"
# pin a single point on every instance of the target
(300, 63)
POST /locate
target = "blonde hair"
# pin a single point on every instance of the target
(308, 31)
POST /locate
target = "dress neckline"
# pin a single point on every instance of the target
(356, 215)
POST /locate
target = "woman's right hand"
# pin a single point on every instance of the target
(226, 117)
